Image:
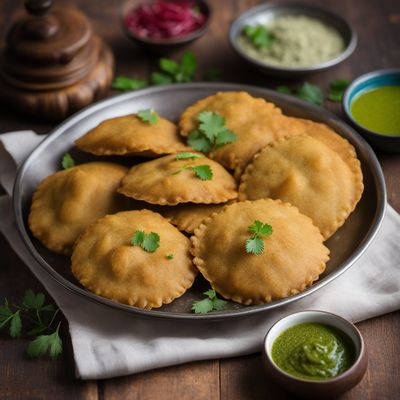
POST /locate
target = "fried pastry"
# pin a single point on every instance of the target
(255, 121)
(187, 217)
(308, 174)
(65, 203)
(168, 181)
(286, 265)
(106, 262)
(130, 136)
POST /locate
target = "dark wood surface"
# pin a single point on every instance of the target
(378, 25)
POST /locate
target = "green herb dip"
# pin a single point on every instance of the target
(298, 41)
(378, 110)
(313, 351)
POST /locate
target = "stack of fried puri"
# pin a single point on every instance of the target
(296, 175)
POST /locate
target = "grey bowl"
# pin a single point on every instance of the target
(268, 12)
(372, 80)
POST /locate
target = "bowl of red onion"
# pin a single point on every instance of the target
(162, 26)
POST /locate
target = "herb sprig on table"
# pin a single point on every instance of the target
(41, 319)
(169, 71)
(211, 133)
(210, 303)
(255, 245)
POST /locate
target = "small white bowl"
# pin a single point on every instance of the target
(314, 389)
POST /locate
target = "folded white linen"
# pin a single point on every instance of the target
(109, 343)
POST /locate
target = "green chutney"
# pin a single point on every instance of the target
(313, 351)
(378, 110)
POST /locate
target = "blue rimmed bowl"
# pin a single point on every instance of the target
(364, 83)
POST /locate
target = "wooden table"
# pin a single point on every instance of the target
(378, 26)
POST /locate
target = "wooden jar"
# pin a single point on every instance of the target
(52, 64)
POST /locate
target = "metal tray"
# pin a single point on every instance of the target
(346, 245)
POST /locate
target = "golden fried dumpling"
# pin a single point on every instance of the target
(129, 135)
(308, 174)
(255, 121)
(65, 203)
(292, 259)
(187, 217)
(168, 181)
(106, 262)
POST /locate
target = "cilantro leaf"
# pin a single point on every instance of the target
(259, 36)
(211, 303)
(169, 256)
(16, 325)
(160, 78)
(32, 300)
(254, 245)
(213, 75)
(137, 238)
(151, 242)
(337, 89)
(169, 66)
(283, 89)
(46, 343)
(67, 161)
(148, 116)
(183, 155)
(204, 172)
(310, 93)
(188, 66)
(211, 124)
(225, 136)
(199, 141)
(203, 306)
(123, 83)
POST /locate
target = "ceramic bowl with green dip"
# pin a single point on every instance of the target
(372, 104)
(315, 354)
(292, 39)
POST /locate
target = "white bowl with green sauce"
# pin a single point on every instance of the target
(315, 354)
(290, 40)
(372, 104)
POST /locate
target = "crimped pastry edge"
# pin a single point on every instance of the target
(199, 234)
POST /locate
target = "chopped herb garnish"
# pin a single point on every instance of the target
(337, 89)
(148, 242)
(255, 245)
(67, 161)
(148, 116)
(213, 75)
(211, 133)
(210, 303)
(183, 155)
(41, 318)
(259, 36)
(169, 256)
(124, 84)
(203, 172)
(308, 92)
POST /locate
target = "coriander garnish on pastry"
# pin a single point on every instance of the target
(171, 179)
(134, 257)
(143, 134)
(292, 258)
(65, 203)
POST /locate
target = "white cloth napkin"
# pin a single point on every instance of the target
(109, 343)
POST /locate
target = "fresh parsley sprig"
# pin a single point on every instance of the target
(211, 133)
(67, 161)
(210, 303)
(125, 84)
(41, 318)
(259, 36)
(148, 116)
(255, 245)
(337, 89)
(307, 92)
(148, 242)
(204, 172)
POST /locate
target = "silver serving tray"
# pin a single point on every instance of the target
(346, 246)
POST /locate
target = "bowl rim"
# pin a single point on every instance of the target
(353, 86)
(267, 7)
(125, 8)
(354, 367)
